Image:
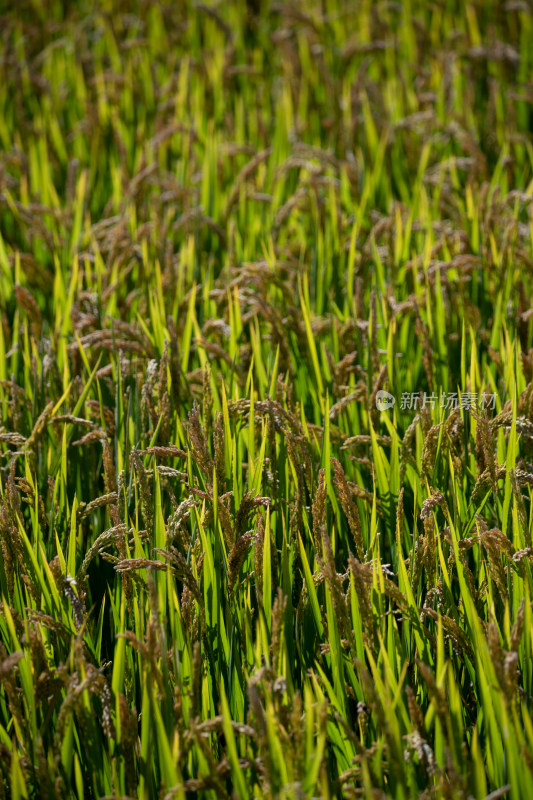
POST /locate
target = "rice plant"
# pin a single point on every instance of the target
(266, 399)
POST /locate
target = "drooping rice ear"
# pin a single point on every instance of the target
(199, 446)
(236, 557)
(145, 492)
(319, 511)
(27, 301)
(349, 506)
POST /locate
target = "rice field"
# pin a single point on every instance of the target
(266, 400)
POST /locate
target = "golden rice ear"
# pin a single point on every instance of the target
(319, 511)
(407, 451)
(259, 542)
(236, 557)
(220, 449)
(27, 301)
(145, 491)
(198, 441)
(349, 507)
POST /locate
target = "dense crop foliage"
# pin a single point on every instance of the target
(227, 569)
